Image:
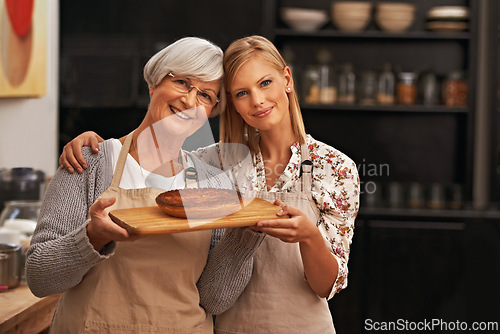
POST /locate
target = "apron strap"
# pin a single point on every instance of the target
(120, 164)
(305, 168)
(191, 177)
(190, 173)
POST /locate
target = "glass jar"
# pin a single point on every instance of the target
(346, 84)
(327, 87)
(407, 88)
(327, 84)
(386, 90)
(368, 88)
(17, 223)
(455, 89)
(311, 84)
(429, 88)
(20, 217)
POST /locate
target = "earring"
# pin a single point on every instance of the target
(288, 89)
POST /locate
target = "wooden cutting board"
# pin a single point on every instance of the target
(152, 220)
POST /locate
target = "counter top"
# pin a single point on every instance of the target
(22, 312)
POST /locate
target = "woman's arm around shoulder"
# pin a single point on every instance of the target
(72, 158)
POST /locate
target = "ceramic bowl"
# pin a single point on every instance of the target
(304, 19)
(351, 15)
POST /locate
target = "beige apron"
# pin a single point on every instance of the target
(278, 299)
(148, 285)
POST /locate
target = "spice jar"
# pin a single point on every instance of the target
(455, 89)
(429, 88)
(368, 88)
(407, 88)
(346, 84)
(328, 91)
(311, 84)
(386, 86)
(327, 84)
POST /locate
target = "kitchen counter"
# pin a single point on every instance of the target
(22, 312)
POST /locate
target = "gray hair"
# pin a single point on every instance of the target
(191, 57)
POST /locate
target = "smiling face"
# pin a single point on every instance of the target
(181, 114)
(259, 94)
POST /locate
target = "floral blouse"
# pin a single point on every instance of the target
(335, 190)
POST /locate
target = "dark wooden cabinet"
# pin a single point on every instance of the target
(406, 263)
(417, 270)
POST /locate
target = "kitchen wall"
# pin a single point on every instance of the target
(105, 44)
(29, 126)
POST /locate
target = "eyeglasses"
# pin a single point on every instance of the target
(204, 96)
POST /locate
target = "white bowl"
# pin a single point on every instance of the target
(457, 12)
(304, 19)
(302, 13)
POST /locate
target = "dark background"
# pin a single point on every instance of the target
(411, 264)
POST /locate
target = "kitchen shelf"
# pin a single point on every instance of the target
(391, 108)
(449, 130)
(374, 34)
(433, 214)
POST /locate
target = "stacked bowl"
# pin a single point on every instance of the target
(304, 19)
(351, 15)
(395, 16)
(447, 18)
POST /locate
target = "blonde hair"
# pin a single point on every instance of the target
(233, 129)
(191, 57)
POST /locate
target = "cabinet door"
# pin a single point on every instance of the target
(416, 271)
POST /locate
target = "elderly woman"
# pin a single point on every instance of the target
(109, 284)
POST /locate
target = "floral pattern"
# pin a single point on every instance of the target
(335, 190)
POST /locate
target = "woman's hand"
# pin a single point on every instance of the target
(101, 229)
(71, 158)
(320, 266)
(297, 228)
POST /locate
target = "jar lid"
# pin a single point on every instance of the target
(407, 75)
(386, 67)
(456, 75)
(18, 174)
(347, 66)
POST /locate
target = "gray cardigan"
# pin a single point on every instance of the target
(60, 253)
